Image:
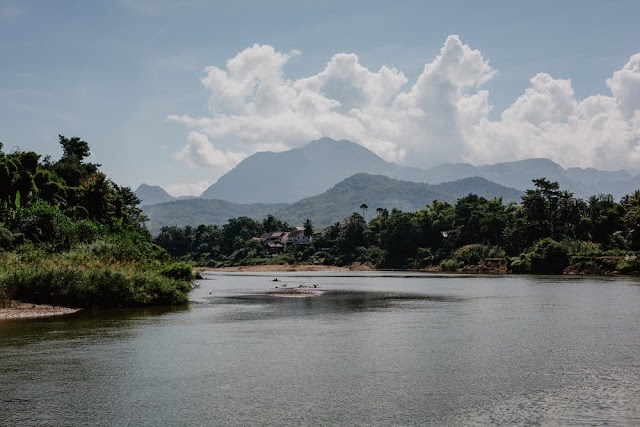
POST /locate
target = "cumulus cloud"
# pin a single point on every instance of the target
(442, 116)
(199, 151)
(188, 189)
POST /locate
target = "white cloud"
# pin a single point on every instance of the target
(188, 189)
(625, 86)
(199, 151)
(442, 116)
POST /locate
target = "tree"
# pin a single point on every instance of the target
(271, 224)
(308, 229)
(352, 235)
(364, 207)
(71, 166)
(631, 204)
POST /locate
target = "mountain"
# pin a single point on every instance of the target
(152, 194)
(301, 172)
(292, 175)
(333, 205)
(378, 191)
(583, 182)
(202, 211)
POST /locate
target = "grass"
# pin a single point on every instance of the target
(96, 275)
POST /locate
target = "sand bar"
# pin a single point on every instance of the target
(287, 267)
(23, 310)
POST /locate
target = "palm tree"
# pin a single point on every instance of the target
(364, 207)
(308, 229)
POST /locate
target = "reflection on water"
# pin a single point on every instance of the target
(372, 349)
(270, 305)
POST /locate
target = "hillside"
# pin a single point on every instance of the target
(152, 194)
(378, 191)
(583, 182)
(330, 206)
(292, 175)
(202, 211)
(289, 176)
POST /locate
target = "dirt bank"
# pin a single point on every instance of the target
(279, 268)
(22, 310)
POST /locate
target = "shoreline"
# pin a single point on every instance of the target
(23, 310)
(281, 268)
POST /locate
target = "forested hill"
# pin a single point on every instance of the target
(334, 205)
(377, 191)
(203, 211)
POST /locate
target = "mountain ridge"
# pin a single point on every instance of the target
(288, 176)
(331, 206)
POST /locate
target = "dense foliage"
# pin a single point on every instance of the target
(547, 232)
(69, 235)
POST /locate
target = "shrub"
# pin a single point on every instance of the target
(178, 271)
(473, 254)
(582, 247)
(450, 265)
(521, 264)
(548, 256)
(630, 265)
(45, 224)
(425, 257)
(89, 288)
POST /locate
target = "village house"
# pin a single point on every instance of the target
(276, 241)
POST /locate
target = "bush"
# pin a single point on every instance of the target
(521, 264)
(44, 224)
(548, 256)
(424, 257)
(450, 265)
(630, 265)
(93, 288)
(582, 247)
(178, 271)
(473, 254)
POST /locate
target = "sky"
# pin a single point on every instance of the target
(176, 93)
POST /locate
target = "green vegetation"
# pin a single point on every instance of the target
(333, 205)
(70, 236)
(549, 232)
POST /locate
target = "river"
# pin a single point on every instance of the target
(374, 349)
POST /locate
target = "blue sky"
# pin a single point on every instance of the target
(504, 80)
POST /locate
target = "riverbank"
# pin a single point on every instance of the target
(23, 310)
(284, 268)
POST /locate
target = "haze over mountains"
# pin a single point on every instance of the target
(317, 181)
(335, 204)
(289, 176)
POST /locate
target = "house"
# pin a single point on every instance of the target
(297, 237)
(272, 241)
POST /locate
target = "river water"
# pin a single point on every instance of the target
(374, 349)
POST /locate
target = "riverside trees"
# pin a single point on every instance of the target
(68, 234)
(538, 235)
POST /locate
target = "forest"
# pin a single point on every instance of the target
(71, 236)
(549, 231)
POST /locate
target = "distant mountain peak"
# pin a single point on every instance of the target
(288, 176)
(152, 194)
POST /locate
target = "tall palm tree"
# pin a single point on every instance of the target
(308, 229)
(364, 207)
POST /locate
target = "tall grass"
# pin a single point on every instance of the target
(114, 272)
(88, 288)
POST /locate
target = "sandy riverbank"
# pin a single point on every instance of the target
(22, 310)
(289, 267)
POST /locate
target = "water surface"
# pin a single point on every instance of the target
(374, 349)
